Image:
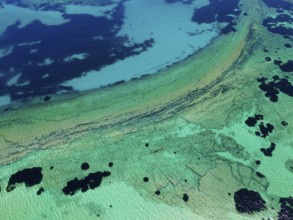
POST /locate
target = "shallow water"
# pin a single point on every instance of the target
(202, 131)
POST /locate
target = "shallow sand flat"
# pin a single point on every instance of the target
(191, 115)
(25, 16)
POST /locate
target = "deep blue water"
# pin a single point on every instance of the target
(57, 42)
(78, 36)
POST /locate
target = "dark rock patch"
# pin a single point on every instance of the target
(225, 11)
(275, 25)
(257, 133)
(85, 166)
(47, 98)
(157, 192)
(248, 201)
(268, 152)
(286, 209)
(260, 175)
(284, 123)
(278, 62)
(280, 4)
(275, 77)
(274, 87)
(268, 59)
(30, 177)
(251, 121)
(185, 197)
(287, 67)
(40, 191)
(265, 130)
(91, 181)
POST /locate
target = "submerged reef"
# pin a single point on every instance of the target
(225, 11)
(91, 181)
(29, 176)
(248, 201)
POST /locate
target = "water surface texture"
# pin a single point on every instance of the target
(146, 109)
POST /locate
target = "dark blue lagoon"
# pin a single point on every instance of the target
(49, 49)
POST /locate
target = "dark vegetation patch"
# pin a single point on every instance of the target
(85, 166)
(278, 62)
(145, 179)
(110, 164)
(287, 45)
(251, 121)
(91, 181)
(286, 209)
(274, 87)
(279, 4)
(276, 25)
(248, 201)
(257, 162)
(265, 130)
(268, 59)
(157, 192)
(28, 176)
(284, 123)
(40, 191)
(260, 175)
(185, 197)
(268, 152)
(287, 67)
(219, 10)
(47, 98)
